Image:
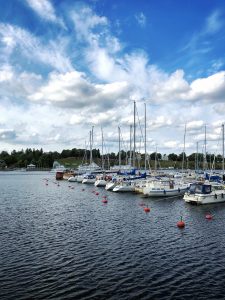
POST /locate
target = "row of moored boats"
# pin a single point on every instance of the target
(192, 189)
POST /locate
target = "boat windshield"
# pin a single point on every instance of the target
(200, 189)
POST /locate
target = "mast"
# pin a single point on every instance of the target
(205, 160)
(223, 147)
(155, 158)
(134, 155)
(197, 158)
(145, 137)
(130, 145)
(102, 151)
(184, 148)
(119, 148)
(90, 146)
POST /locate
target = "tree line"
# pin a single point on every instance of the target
(22, 158)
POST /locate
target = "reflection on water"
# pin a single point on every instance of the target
(59, 242)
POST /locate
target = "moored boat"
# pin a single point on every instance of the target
(205, 193)
(164, 188)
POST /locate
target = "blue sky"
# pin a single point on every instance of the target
(66, 66)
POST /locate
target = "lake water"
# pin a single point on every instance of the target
(63, 243)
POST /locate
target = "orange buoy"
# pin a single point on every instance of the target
(181, 223)
(208, 216)
(147, 209)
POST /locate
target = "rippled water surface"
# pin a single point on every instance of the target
(58, 242)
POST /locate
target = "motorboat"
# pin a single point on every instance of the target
(72, 179)
(125, 186)
(205, 193)
(164, 188)
(89, 179)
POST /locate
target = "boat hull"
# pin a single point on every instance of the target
(165, 192)
(205, 199)
(100, 182)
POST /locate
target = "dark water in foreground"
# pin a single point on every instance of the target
(63, 243)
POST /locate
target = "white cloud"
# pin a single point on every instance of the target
(141, 19)
(73, 90)
(45, 10)
(214, 22)
(51, 53)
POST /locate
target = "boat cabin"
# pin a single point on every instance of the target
(200, 188)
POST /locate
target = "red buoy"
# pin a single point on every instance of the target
(104, 201)
(147, 209)
(208, 216)
(181, 223)
(97, 193)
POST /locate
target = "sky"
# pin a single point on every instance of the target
(69, 66)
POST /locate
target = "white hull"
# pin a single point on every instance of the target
(88, 181)
(124, 188)
(80, 178)
(100, 182)
(165, 192)
(110, 185)
(72, 179)
(213, 197)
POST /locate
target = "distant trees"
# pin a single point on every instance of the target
(173, 156)
(43, 159)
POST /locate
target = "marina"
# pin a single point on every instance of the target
(61, 241)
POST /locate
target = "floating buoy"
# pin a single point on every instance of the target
(83, 190)
(97, 193)
(208, 216)
(181, 223)
(147, 209)
(104, 200)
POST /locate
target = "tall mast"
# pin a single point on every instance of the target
(130, 145)
(184, 149)
(119, 148)
(102, 151)
(90, 146)
(205, 160)
(197, 158)
(155, 158)
(145, 137)
(134, 155)
(223, 147)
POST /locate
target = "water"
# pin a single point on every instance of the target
(63, 243)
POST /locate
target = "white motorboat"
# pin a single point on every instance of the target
(89, 179)
(205, 193)
(110, 185)
(102, 180)
(125, 186)
(164, 188)
(72, 179)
